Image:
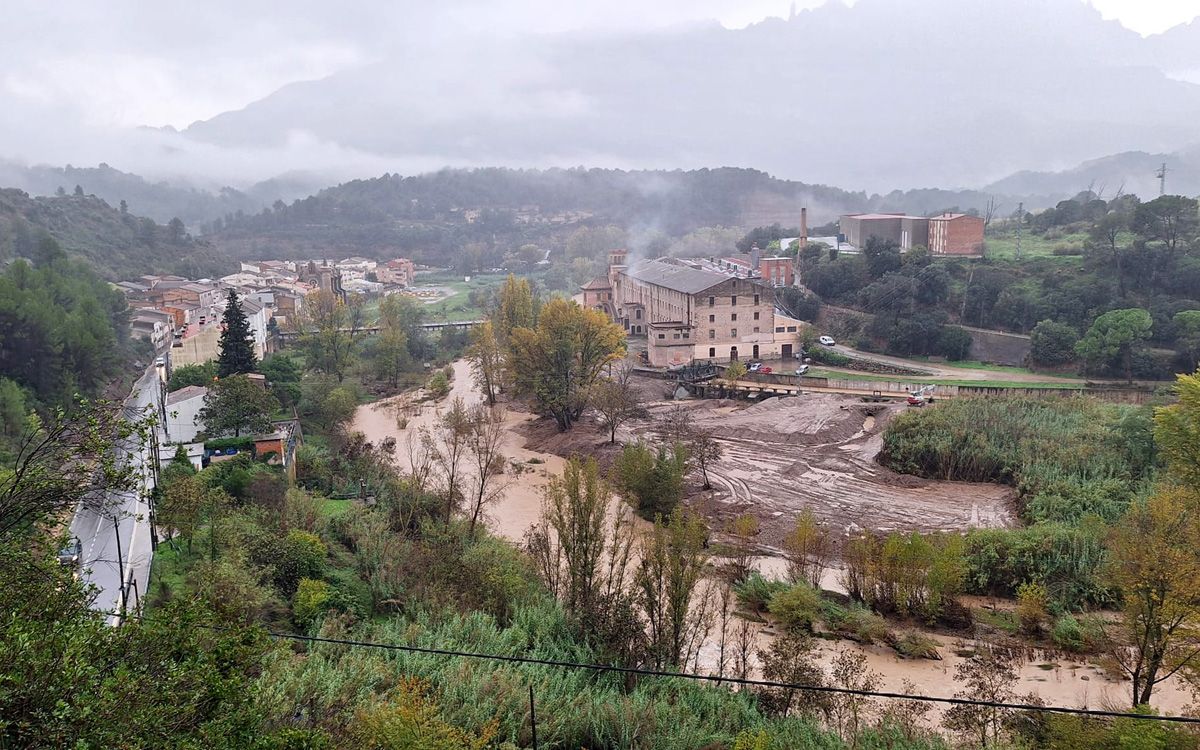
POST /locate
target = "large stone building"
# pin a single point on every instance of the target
(690, 310)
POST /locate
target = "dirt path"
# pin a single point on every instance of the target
(952, 373)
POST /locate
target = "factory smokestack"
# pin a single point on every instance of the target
(803, 226)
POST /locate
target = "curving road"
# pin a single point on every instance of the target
(115, 539)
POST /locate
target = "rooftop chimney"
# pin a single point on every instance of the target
(755, 254)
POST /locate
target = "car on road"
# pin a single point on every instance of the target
(826, 341)
(765, 370)
(160, 362)
(70, 554)
(754, 367)
(802, 369)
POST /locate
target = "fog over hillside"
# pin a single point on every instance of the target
(986, 88)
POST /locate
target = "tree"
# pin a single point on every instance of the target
(1168, 219)
(329, 331)
(1187, 335)
(703, 450)
(78, 191)
(70, 677)
(236, 347)
(734, 371)
(485, 431)
(1177, 431)
(487, 360)
(283, 378)
(1154, 560)
(176, 231)
(673, 561)
(808, 548)
(391, 354)
(66, 460)
(182, 507)
(791, 659)
(1116, 334)
(615, 401)
(201, 374)
(559, 361)
(237, 404)
(1105, 237)
(584, 560)
(447, 445)
(1052, 344)
(989, 674)
(652, 478)
(514, 307)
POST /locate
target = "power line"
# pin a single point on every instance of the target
(1095, 713)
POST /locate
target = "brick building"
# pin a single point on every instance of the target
(956, 234)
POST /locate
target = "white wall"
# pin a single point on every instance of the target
(183, 419)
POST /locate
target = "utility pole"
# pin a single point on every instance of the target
(1161, 174)
(1020, 221)
(120, 566)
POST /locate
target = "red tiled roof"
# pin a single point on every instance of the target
(597, 283)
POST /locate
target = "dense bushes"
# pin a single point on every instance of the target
(1066, 559)
(1068, 458)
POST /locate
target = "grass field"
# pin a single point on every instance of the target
(820, 372)
(1003, 244)
(458, 305)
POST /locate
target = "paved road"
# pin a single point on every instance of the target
(123, 524)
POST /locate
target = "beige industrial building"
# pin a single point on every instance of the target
(689, 310)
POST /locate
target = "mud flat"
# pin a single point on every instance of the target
(818, 451)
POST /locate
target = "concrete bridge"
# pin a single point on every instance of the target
(462, 324)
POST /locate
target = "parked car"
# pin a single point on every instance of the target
(765, 370)
(802, 369)
(754, 367)
(160, 362)
(826, 341)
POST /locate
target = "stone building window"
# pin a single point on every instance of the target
(733, 300)
(712, 301)
(712, 334)
(756, 316)
(712, 318)
(733, 332)
(756, 299)
(733, 317)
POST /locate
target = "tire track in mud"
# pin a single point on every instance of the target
(781, 456)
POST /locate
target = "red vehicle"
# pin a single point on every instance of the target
(765, 370)
(914, 401)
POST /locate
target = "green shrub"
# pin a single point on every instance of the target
(756, 592)
(1032, 601)
(864, 626)
(310, 601)
(438, 385)
(1067, 634)
(796, 607)
(916, 645)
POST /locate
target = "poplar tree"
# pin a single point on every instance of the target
(236, 352)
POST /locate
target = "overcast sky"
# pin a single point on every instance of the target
(128, 63)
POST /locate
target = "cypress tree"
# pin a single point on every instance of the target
(236, 352)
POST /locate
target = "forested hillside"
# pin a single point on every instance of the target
(428, 215)
(1112, 286)
(115, 242)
